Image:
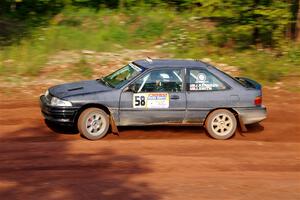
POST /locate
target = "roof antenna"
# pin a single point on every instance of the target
(148, 59)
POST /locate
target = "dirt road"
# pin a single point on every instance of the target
(152, 162)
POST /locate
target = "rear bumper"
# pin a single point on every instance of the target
(57, 114)
(252, 115)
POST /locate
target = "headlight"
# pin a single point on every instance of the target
(58, 102)
(46, 93)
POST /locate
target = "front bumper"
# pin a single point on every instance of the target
(252, 115)
(57, 114)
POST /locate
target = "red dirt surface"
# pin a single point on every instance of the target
(150, 162)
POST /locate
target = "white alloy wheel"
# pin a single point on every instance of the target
(221, 124)
(93, 123)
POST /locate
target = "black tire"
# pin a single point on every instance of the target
(93, 119)
(221, 124)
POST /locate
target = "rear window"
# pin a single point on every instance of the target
(244, 82)
(239, 80)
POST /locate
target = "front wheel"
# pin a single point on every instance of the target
(221, 124)
(93, 123)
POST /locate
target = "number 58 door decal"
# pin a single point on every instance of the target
(139, 101)
(151, 100)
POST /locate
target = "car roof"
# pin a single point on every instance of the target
(152, 63)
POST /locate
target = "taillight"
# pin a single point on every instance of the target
(258, 101)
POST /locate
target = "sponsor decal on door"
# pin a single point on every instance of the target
(151, 100)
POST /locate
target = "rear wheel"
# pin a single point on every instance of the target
(221, 124)
(93, 123)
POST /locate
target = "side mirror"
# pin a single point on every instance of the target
(131, 88)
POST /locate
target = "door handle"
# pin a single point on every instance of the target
(174, 97)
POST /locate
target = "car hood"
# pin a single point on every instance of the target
(78, 88)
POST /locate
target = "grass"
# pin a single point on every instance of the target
(78, 30)
(83, 68)
(109, 30)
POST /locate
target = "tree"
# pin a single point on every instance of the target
(248, 22)
(297, 31)
(294, 24)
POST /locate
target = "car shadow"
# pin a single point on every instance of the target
(154, 131)
(62, 129)
(159, 132)
(165, 128)
(254, 128)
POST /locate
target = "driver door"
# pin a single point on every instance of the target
(156, 98)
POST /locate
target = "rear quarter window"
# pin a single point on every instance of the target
(202, 80)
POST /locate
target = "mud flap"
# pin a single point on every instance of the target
(114, 128)
(242, 125)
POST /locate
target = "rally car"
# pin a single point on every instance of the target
(152, 92)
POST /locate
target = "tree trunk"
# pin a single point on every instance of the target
(294, 26)
(297, 33)
(13, 6)
(255, 33)
(121, 4)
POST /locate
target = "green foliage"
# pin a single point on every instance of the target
(151, 28)
(247, 22)
(293, 55)
(236, 32)
(26, 58)
(81, 29)
(83, 68)
(259, 65)
(239, 23)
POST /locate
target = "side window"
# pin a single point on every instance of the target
(202, 80)
(165, 80)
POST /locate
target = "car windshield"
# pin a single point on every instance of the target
(122, 76)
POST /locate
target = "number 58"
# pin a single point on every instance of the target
(139, 101)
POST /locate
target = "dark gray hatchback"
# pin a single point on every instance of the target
(151, 92)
